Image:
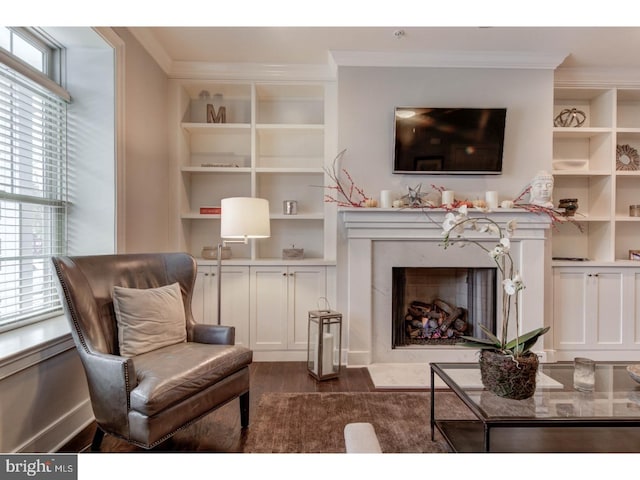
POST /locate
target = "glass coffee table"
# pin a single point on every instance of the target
(557, 418)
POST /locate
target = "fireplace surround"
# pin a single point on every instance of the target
(380, 239)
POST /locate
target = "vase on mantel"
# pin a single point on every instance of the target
(508, 376)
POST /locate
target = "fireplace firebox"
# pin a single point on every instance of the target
(436, 306)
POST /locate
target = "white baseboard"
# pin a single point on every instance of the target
(60, 432)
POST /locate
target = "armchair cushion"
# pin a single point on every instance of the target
(149, 319)
(172, 374)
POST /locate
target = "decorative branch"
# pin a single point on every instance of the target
(349, 195)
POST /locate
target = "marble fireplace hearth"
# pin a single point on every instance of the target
(380, 239)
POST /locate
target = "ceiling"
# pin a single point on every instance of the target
(580, 47)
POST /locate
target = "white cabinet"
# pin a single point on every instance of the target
(586, 167)
(595, 312)
(281, 298)
(235, 298)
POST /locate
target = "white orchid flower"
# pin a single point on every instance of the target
(494, 229)
(511, 227)
(512, 285)
(509, 286)
(449, 222)
(497, 252)
(506, 244)
(463, 210)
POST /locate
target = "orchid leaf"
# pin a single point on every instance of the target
(527, 340)
(490, 334)
(475, 342)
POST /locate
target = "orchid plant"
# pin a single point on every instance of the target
(454, 226)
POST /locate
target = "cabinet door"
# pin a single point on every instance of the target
(570, 307)
(268, 308)
(235, 301)
(201, 301)
(588, 309)
(306, 287)
(609, 319)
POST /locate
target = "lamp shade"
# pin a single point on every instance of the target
(244, 217)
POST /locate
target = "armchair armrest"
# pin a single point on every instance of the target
(111, 379)
(214, 334)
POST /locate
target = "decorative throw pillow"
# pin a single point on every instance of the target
(148, 319)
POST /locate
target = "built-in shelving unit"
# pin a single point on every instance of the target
(584, 167)
(274, 144)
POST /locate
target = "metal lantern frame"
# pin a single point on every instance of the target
(323, 322)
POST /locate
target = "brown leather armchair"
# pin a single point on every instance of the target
(144, 399)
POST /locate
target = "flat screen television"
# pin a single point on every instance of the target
(449, 140)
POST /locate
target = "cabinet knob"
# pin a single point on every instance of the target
(284, 274)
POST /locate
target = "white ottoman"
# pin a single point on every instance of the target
(361, 438)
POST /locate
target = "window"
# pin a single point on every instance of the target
(33, 179)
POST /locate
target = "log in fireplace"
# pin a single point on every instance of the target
(436, 306)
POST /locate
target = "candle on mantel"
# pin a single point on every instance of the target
(447, 197)
(491, 198)
(385, 199)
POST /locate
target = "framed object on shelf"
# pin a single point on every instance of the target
(634, 254)
(627, 158)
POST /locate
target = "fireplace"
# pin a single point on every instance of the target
(436, 306)
(380, 239)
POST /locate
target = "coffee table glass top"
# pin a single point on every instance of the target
(616, 395)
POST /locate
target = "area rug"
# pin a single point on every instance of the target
(314, 422)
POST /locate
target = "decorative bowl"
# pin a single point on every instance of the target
(634, 372)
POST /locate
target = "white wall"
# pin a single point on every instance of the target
(366, 101)
(146, 151)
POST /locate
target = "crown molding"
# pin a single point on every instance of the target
(250, 71)
(449, 59)
(153, 47)
(597, 77)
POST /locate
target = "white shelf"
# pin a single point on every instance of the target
(289, 126)
(581, 173)
(216, 128)
(215, 170)
(288, 170)
(580, 132)
(299, 216)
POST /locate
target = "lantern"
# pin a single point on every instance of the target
(324, 345)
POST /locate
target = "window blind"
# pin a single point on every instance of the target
(33, 196)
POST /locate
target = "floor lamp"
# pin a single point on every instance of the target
(241, 218)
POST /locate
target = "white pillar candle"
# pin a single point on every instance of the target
(327, 353)
(491, 198)
(385, 199)
(447, 197)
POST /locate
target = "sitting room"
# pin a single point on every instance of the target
(283, 239)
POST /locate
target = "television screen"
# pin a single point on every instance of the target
(449, 140)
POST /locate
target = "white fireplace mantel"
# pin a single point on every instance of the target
(378, 239)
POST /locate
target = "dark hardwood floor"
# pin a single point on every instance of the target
(289, 377)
